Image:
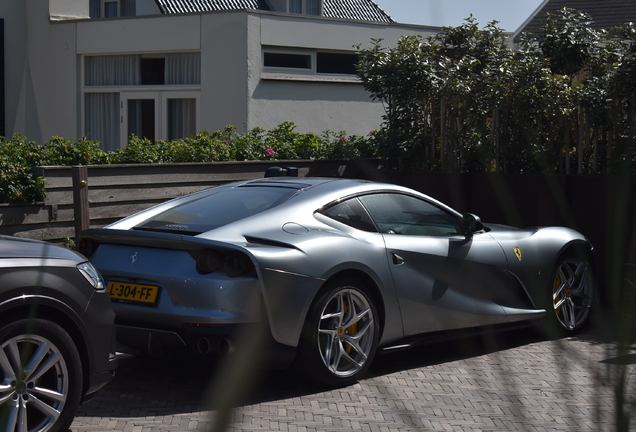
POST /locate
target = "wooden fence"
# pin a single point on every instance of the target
(602, 208)
(115, 191)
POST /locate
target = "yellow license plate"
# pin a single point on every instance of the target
(133, 292)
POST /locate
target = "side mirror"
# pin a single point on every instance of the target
(471, 224)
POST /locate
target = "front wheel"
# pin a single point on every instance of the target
(572, 294)
(40, 377)
(340, 335)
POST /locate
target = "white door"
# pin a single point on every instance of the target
(140, 115)
(159, 115)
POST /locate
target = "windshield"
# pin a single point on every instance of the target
(217, 209)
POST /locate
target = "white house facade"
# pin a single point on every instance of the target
(163, 75)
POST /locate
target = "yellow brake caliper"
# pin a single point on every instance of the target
(351, 330)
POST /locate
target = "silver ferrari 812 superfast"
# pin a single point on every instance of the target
(332, 270)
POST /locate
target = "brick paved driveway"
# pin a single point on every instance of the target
(512, 381)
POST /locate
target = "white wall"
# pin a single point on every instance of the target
(314, 105)
(224, 98)
(139, 34)
(41, 66)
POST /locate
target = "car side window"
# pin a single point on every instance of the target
(351, 213)
(407, 215)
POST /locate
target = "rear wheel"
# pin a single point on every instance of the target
(40, 377)
(340, 335)
(571, 295)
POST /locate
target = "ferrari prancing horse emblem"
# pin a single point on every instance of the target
(517, 253)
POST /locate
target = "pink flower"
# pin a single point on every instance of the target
(342, 138)
(269, 152)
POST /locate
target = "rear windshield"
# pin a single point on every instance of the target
(217, 209)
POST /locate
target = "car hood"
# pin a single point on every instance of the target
(15, 247)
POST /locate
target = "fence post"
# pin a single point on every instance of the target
(80, 199)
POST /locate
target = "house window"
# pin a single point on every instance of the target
(296, 6)
(287, 60)
(102, 119)
(308, 7)
(127, 70)
(151, 96)
(336, 63)
(310, 62)
(181, 117)
(112, 8)
(152, 71)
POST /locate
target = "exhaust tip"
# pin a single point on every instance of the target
(204, 346)
(225, 346)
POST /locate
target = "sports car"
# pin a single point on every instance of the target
(333, 269)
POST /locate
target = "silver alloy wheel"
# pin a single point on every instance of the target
(572, 293)
(35, 386)
(346, 332)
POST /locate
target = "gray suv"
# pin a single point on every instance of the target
(57, 337)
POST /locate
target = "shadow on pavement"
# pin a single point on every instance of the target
(145, 386)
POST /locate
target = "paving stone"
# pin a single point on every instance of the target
(515, 381)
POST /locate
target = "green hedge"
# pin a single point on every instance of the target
(18, 155)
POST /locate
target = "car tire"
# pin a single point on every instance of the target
(340, 335)
(41, 377)
(571, 296)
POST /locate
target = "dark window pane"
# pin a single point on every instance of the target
(351, 213)
(336, 63)
(110, 9)
(141, 118)
(128, 8)
(94, 8)
(152, 71)
(283, 60)
(181, 118)
(296, 6)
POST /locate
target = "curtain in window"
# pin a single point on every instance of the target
(112, 70)
(181, 118)
(183, 68)
(128, 7)
(296, 6)
(94, 8)
(102, 119)
(313, 7)
(110, 9)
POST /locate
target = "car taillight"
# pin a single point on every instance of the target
(209, 261)
(234, 264)
(237, 264)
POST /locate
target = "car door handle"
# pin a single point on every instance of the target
(397, 260)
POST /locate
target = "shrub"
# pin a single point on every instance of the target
(18, 156)
(17, 159)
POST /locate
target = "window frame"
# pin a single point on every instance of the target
(164, 92)
(300, 74)
(311, 70)
(102, 8)
(451, 213)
